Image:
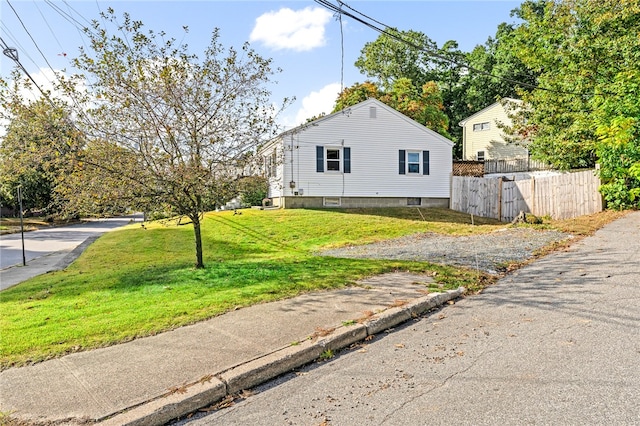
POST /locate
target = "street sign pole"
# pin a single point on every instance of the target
(24, 259)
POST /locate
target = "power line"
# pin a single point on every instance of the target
(30, 36)
(12, 53)
(67, 16)
(386, 30)
(15, 41)
(49, 26)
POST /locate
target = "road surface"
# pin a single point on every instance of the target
(45, 247)
(557, 342)
(48, 240)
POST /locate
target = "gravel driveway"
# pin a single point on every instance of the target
(487, 252)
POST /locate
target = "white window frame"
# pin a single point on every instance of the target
(337, 161)
(479, 127)
(481, 156)
(418, 163)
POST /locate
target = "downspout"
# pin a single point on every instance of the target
(292, 187)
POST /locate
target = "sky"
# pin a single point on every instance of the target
(302, 37)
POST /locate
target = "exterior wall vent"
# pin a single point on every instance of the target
(372, 112)
(332, 201)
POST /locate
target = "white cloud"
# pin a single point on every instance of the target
(299, 30)
(316, 103)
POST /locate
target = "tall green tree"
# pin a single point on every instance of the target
(186, 121)
(467, 82)
(386, 59)
(423, 105)
(587, 55)
(37, 148)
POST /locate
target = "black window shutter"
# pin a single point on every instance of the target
(319, 159)
(425, 162)
(402, 161)
(346, 152)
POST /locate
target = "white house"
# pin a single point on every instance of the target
(368, 155)
(482, 137)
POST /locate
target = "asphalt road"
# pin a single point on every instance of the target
(46, 241)
(557, 342)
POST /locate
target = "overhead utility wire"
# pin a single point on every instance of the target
(12, 53)
(15, 41)
(30, 36)
(385, 31)
(49, 26)
(73, 21)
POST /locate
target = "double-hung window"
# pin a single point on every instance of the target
(413, 162)
(333, 159)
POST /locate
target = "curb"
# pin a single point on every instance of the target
(215, 388)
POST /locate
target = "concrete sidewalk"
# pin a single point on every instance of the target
(155, 379)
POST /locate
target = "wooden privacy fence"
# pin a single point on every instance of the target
(514, 165)
(562, 196)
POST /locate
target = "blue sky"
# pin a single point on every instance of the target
(302, 37)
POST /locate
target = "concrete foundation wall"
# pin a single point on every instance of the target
(356, 202)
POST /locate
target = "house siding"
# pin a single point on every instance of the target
(374, 178)
(490, 141)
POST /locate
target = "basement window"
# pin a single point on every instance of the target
(332, 201)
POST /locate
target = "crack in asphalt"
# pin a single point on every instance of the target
(443, 383)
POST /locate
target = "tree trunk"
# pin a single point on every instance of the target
(198, 235)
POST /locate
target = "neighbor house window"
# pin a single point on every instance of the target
(333, 159)
(481, 126)
(480, 155)
(413, 162)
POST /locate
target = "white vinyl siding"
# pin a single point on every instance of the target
(373, 148)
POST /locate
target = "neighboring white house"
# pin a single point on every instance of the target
(483, 139)
(368, 155)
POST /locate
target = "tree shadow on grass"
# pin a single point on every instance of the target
(428, 214)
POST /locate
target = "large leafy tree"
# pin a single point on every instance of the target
(617, 108)
(183, 123)
(37, 149)
(551, 42)
(394, 55)
(587, 54)
(423, 105)
(467, 82)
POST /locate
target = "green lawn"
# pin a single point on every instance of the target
(136, 282)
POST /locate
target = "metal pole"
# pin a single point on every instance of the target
(24, 259)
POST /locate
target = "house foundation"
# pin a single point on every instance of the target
(303, 202)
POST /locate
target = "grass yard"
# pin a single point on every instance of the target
(136, 282)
